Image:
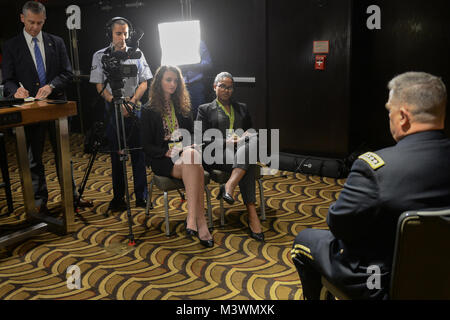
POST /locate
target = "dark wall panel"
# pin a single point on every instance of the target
(414, 36)
(311, 108)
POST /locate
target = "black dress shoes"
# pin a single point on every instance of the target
(117, 205)
(141, 203)
(225, 195)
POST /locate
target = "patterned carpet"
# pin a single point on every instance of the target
(159, 267)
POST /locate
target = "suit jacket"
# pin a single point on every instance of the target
(152, 133)
(412, 175)
(207, 114)
(18, 66)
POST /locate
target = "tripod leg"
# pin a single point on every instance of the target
(121, 134)
(85, 178)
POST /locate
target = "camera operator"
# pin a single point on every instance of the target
(118, 30)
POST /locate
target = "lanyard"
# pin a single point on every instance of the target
(172, 124)
(230, 116)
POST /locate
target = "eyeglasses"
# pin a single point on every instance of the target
(224, 87)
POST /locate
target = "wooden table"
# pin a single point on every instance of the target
(29, 113)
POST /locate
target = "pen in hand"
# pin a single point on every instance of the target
(23, 93)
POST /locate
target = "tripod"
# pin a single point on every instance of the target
(122, 150)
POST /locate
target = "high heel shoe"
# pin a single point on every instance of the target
(189, 232)
(225, 195)
(207, 243)
(257, 236)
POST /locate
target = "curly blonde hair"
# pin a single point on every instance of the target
(180, 97)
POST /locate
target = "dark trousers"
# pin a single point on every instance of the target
(133, 140)
(35, 135)
(241, 160)
(318, 253)
(303, 258)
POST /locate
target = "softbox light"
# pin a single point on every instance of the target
(180, 42)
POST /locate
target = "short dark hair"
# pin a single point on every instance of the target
(34, 6)
(120, 22)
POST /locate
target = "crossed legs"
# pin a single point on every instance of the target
(237, 175)
(192, 174)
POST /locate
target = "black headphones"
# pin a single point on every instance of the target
(110, 24)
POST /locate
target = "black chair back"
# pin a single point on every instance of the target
(421, 265)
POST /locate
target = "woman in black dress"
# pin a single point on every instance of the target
(230, 116)
(168, 112)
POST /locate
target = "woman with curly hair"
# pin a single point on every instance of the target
(169, 111)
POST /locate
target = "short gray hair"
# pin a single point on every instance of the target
(424, 93)
(33, 6)
(222, 76)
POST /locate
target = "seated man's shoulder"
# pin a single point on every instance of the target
(373, 159)
(382, 158)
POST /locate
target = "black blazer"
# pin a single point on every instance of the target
(152, 133)
(18, 66)
(207, 114)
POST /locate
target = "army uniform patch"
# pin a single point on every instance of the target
(298, 248)
(372, 159)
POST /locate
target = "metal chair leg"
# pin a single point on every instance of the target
(222, 213)
(262, 202)
(208, 204)
(166, 209)
(149, 199)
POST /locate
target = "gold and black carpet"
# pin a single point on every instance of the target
(159, 267)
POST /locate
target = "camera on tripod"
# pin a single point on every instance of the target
(115, 71)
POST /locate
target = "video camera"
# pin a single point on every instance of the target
(115, 71)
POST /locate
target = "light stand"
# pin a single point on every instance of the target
(77, 73)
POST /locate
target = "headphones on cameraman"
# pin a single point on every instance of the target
(111, 23)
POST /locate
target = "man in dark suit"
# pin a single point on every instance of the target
(356, 254)
(35, 64)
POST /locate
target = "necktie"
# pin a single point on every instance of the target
(39, 63)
